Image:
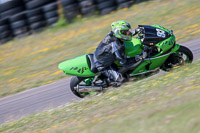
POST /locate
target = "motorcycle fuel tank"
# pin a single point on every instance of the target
(133, 48)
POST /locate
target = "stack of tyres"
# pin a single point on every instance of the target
(139, 1)
(19, 25)
(106, 6)
(5, 32)
(7, 9)
(51, 13)
(87, 7)
(11, 7)
(124, 3)
(35, 15)
(36, 20)
(71, 9)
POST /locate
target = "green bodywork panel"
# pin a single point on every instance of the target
(162, 28)
(150, 64)
(176, 47)
(154, 62)
(167, 43)
(79, 66)
(133, 47)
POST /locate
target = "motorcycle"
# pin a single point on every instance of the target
(162, 53)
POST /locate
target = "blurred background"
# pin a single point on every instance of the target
(20, 18)
(36, 35)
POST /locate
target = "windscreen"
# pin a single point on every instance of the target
(153, 35)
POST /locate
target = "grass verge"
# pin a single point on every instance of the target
(164, 103)
(33, 61)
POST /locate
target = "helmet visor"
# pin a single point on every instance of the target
(124, 32)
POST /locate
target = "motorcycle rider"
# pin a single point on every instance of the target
(112, 48)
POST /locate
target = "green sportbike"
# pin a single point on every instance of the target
(162, 53)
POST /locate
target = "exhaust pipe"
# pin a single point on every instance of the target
(81, 88)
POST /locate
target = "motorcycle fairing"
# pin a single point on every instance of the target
(154, 62)
(158, 36)
(151, 63)
(166, 44)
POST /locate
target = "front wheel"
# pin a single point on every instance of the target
(180, 57)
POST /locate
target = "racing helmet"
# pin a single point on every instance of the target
(120, 29)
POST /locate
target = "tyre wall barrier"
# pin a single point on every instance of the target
(20, 18)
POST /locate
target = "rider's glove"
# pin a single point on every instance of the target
(135, 31)
(144, 54)
(138, 57)
(122, 62)
(141, 57)
(146, 48)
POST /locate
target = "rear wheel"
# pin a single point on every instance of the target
(83, 86)
(180, 57)
(73, 85)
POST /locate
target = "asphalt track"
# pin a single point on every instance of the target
(52, 95)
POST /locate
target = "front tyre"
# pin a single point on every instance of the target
(186, 54)
(180, 57)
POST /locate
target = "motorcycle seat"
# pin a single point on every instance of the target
(92, 64)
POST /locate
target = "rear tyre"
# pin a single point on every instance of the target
(73, 85)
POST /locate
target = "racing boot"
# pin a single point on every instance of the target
(115, 78)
